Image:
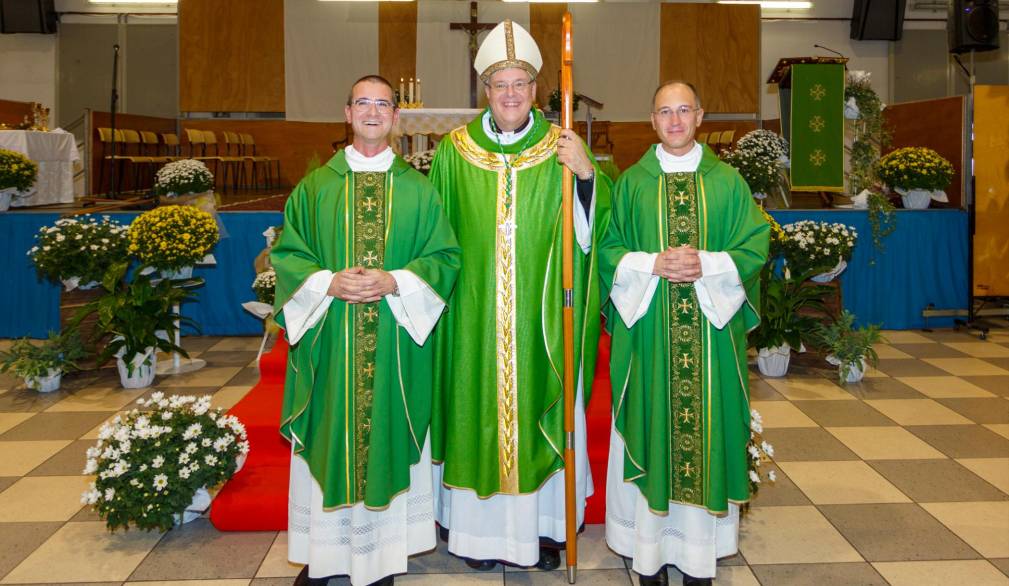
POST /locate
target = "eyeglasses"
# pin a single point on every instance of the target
(365, 104)
(519, 86)
(680, 111)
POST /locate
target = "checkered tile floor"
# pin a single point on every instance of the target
(902, 479)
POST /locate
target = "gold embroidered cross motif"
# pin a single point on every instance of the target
(686, 415)
(687, 470)
(370, 259)
(370, 204)
(817, 158)
(817, 92)
(684, 306)
(816, 123)
(370, 314)
(681, 198)
(687, 360)
(370, 369)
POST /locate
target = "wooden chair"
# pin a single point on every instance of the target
(229, 162)
(702, 138)
(173, 149)
(129, 140)
(256, 159)
(725, 140)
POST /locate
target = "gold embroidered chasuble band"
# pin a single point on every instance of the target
(369, 217)
(687, 446)
(507, 375)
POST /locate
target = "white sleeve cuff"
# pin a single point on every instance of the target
(583, 225)
(634, 285)
(307, 306)
(719, 290)
(417, 308)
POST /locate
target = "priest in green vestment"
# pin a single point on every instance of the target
(681, 259)
(497, 426)
(364, 265)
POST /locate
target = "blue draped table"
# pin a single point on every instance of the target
(924, 261)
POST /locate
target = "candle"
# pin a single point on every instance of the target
(419, 99)
(402, 96)
(411, 91)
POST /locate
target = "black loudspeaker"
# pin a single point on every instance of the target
(972, 25)
(877, 20)
(28, 16)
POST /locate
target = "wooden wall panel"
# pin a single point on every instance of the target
(632, 139)
(13, 113)
(295, 143)
(231, 55)
(991, 169)
(937, 124)
(545, 28)
(717, 48)
(397, 41)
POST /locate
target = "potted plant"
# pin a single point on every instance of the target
(918, 174)
(138, 313)
(851, 350)
(761, 157)
(421, 160)
(78, 251)
(820, 248)
(783, 324)
(173, 238)
(42, 365)
(17, 174)
(184, 177)
(155, 464)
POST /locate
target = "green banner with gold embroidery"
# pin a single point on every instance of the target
(817, 127)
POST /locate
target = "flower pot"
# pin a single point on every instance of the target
(914, 199)
(46, 384)
(855, 372)
(201, 502)
(5, 198)
(179, 274)
(774, 361)
(831, 274)
(71, 283)
(141, 374)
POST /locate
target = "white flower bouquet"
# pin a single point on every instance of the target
(817, 246)
(421, 161)
(150, 464)
(761, 157)
(182, 177)
(264, 285)
(760, 452)
(79, 250)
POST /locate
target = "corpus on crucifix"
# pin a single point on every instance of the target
(472, 28)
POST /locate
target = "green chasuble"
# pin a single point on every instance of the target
(680, 385)
(498, 421)
(357, 397)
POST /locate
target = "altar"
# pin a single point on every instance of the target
(55, 153)
(417, 124)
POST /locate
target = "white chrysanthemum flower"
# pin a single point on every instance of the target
(210, 459)
(110, 493)
(768, 449)
(754, 477)
(184, 472)
(771, 476)
(157, 462)
(90, 467)
(160, 482)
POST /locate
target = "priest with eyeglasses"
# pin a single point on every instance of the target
(364, 265)
(497, 425)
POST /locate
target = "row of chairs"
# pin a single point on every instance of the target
(145, 152)
(718, 140)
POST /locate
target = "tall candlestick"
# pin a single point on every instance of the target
(402, 96)
(419, 99)
(411, 91)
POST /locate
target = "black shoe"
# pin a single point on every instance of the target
(692, 581)
(304, 580)
(550, 558)
(443, 533)
(658, 579)
(387, 581)
(481, 565)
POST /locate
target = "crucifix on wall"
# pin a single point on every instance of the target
(472, 28)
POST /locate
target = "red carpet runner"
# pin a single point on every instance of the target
(255, 499)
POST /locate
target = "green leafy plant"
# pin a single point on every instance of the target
(133, 309)
(150, 463)
(817, 247)
(789, 309)
(870, 134)
(882, 216)
(32, 361)
(851, 347)
(555, 101)
(16, 170)
(82, 247)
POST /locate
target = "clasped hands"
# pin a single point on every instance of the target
(678, 265)
(361, 285)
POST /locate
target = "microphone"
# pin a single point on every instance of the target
(829, 49)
